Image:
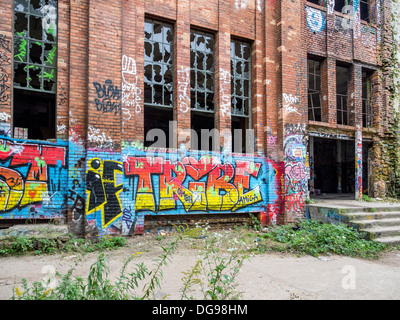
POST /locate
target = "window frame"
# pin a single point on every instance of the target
(314, 90)
(28, 40)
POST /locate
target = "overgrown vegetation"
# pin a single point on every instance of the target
(32, 245)
(213, 276)
(315, 238)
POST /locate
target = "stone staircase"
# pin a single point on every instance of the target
(380, 222)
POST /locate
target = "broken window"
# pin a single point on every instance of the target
(202, 89)
(240, 93)
(366, 99)
(341, 95)
(364, 10)
(314, 90)
(158, 77)
(35, 67)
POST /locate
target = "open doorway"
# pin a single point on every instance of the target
(333, 167)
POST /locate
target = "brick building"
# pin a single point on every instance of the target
(114, 112)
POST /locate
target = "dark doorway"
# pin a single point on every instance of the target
(333, 166)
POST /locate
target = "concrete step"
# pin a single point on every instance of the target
(377, 215)
(380, 232)
(370, 223)
(388, 240)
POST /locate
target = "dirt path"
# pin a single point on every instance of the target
(264, 276)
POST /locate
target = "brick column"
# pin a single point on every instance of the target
(294, 107)
(223, 76)
(77, 114)
(6, 66)
(182, 74)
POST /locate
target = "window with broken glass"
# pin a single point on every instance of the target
(158, 77)
(202, 87)
(366, 100)
(35, 67)
(341, 95)
(314, 90)
(240, 93)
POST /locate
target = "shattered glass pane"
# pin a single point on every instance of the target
(148, 93)
(20, 74)
(210, 62)
(148, 30)
(167, 53)
(148, 72)
(167, 96)
(168, 77)
(157, 34)
(35, 52)
(168, 35)
(35, 28)
(36, 6)
(20, 49)
(200, 80)
(35, 75)
(210, 101)
(21, 5)
(49, 79)
(148, 51)
(21, 24)
(157, 57)
(200, 60)
(50, 54)
(210, 82)
(201, 100)
(158, 94)
(157, 73)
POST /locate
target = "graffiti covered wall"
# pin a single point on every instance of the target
(121, 191)
(32, 179)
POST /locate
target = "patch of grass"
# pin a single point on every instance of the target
(21, 245)
(315, 238)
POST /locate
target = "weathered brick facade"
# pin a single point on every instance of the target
(97, 173)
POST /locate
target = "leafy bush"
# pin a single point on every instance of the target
(314, 238)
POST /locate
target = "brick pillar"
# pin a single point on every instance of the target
(223, 76)
(77, 114)
(273, 129)
(355, 96)
(131, 85)
(258, 117)
(328, 87)
(182, 74)
(294, 107)
(6, 66)
(104, 95)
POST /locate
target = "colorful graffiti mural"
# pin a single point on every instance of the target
(121, 192)
(31, 179)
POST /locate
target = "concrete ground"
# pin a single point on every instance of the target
(274, 276)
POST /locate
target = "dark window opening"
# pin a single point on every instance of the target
(34, 115)
(158, 79)
(240, 94)
(240, 134)
(340, 4)
(314, 91)
(202, 86)
(157, 127)
(314, 1)
(341, 95)
(366, 99)
(204, 136)
(35, 68)
(364, 10)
